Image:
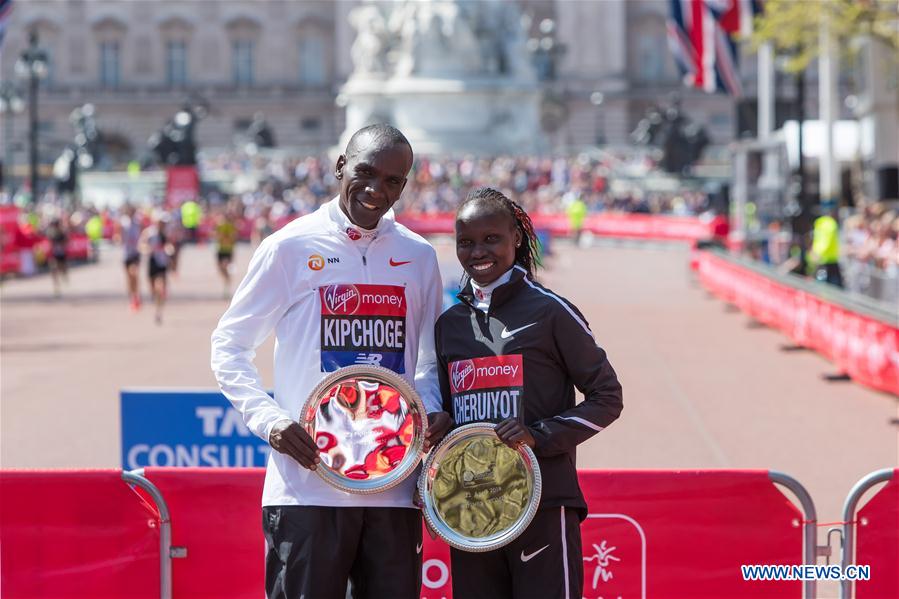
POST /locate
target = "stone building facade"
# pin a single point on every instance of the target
(138, 61)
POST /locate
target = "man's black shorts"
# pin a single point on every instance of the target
(543, 563)
(155, 270)
(312, 552)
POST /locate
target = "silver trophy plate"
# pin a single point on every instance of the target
(478, 493)
(369, 425)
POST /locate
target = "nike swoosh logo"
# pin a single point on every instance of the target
(529, 557)
(507, 333)
(418, 548)
(399, 262)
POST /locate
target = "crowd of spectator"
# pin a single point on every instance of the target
(871, 251)
(267, 191)
(539, 184)
(872, 237)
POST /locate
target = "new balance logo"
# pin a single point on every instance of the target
(369, 359)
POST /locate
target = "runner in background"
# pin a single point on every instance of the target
(577, 212)
(155, 243)
(225, 239)
(262, 225)
(57, 233)
(94, 230)
(175, 234)
(129, 237)
(191, 217)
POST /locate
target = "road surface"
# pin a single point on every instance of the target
(705, 387)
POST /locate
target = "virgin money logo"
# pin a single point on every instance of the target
(342, 299)
(353, 234)
(463, 375)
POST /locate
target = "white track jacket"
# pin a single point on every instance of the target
(330, 305)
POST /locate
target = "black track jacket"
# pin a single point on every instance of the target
(524, 358)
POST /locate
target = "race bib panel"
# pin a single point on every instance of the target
(487, 389)
(363, 324)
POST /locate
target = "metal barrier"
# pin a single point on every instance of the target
(810, 526)
(860, 336)
(849, 509)
(873, 282)
(615, 497)
(136, 478)
(630, 508)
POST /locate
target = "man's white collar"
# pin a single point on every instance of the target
(352, 231)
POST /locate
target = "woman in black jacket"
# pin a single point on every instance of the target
(513, 353)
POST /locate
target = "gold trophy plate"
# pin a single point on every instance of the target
(478, 493)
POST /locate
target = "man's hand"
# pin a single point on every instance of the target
(513, 433)
(289, 438)
(438, 424)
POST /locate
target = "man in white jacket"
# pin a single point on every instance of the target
(317, 270)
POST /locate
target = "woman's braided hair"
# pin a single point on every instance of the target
(527, 255)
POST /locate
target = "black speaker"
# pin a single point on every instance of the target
(888, 183)
(846, 197)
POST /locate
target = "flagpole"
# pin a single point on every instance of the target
(770, 168)
(765, 91)
(828, 109)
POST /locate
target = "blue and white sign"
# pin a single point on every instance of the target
(186, 428)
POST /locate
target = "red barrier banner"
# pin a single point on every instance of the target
(428, 224)
(182, 183)
(606, 224)
(216, 515)
(686, 533)
(665, 534)
(877, 542)
(10, 260)
(647, 226)
(864, 348)
(671, 534)
(76, 534)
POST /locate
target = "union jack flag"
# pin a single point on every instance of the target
(701, 36)
(5, 9)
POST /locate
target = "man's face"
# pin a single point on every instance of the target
(372, 180)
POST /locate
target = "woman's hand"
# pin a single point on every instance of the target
(514, 434)
(438, 425)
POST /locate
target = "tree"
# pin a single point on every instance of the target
(793, 27)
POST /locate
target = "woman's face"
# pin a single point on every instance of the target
(486, 239)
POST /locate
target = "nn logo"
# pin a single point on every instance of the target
(462, 375)
(316, 262)
(333, 260)
(342, 299)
